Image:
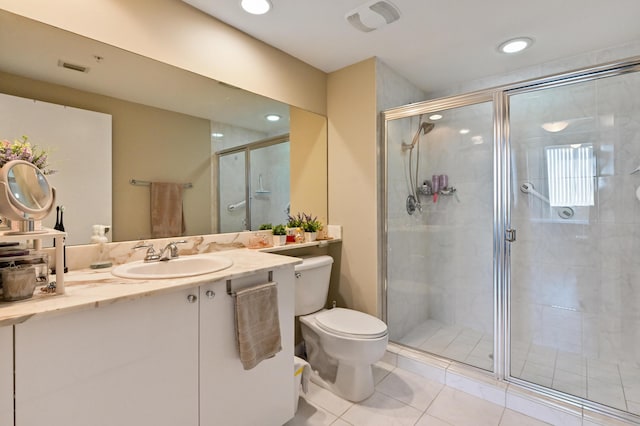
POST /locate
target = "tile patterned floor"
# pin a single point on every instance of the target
(404, 398)
(612, 384)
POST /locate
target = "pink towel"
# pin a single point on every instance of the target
(167, 217)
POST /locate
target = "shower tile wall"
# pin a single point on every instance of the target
(440, 288)
(393, 90)
(407, 295)
(574, 282)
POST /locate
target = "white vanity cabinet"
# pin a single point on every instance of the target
(229, 395)
(168, 358)
(130, 363)
(6, 376)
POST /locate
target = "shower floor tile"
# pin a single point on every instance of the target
(609, 383)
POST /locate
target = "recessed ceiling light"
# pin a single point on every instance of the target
(272, 117)
(256, 7)
(217, 135)
(515, 45)
(464, 131)
(435, 117)
(555, 126)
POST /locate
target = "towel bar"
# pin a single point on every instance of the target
(147, 183)
(232, 293)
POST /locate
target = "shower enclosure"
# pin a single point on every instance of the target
(524, 261)
(253, 185)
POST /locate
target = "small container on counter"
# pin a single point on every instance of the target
(18, 282)
(37, 260)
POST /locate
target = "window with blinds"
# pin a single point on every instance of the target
(570, 173)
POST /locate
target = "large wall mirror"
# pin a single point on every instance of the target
(166, 126)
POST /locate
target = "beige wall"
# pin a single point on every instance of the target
(351, 107)
(148, 144)
(308, 167)
(173, 32)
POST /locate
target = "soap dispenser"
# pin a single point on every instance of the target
(100, 237)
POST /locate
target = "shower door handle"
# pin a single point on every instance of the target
(510, 235)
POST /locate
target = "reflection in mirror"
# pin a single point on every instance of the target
(163, 119)
(264, 197)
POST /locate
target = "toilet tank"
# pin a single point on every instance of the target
(312, 284)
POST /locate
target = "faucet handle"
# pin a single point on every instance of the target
(151, 252)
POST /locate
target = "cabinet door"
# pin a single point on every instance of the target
(6, 376)
(130, 363)
(229, 395)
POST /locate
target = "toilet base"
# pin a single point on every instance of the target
(353, 382)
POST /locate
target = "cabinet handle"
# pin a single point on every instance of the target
(210, 294)
(192, 298)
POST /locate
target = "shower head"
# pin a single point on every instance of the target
(424, 128)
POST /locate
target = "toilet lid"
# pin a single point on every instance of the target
(351, 323)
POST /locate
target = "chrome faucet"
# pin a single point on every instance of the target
(170, 251)
(151, 255)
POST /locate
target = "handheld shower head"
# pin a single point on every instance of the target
(426, 127)
(413, 201)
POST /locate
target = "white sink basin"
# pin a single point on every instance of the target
(187, 266)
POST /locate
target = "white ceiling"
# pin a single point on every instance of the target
(437, 44)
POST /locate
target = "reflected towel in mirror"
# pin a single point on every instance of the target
(167, 217)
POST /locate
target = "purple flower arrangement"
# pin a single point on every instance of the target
(305, 221)
(21, 149)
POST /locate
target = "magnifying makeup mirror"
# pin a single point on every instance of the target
(25, 195)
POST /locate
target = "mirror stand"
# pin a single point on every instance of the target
(25, 227)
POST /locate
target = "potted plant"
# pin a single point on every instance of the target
(279, 235)
(311, 225)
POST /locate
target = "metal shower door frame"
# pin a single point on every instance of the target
(246, 149)
(503, 141)
(503, 188)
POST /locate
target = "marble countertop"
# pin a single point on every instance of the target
(87, 288)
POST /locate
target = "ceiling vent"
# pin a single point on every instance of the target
(373, 15)
(74, 67)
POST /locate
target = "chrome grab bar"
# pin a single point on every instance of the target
(528, 188)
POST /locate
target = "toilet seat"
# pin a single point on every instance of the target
(350, 323)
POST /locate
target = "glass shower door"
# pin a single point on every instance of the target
(232, 196)
(269, 184)
(440, 233)
(574, 316)
(255, 187)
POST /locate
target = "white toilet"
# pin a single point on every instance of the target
(341, 344)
